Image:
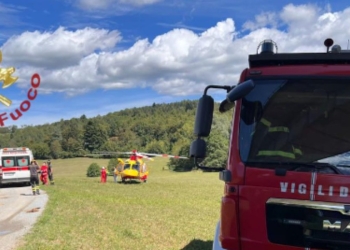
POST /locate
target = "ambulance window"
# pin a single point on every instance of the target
(23, 161)
(8, 162)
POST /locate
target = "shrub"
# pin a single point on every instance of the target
(93, 170)
(111, 164)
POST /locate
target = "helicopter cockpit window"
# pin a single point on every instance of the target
(127, 166)
(137, 167)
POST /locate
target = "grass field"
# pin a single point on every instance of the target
(170, 211)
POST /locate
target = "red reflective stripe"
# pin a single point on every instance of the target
(164, 155)
(9, 169)
(176, 156)
(5, 169)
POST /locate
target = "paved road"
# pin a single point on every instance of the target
(19, 210)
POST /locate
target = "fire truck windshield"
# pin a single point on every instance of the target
(296, 120)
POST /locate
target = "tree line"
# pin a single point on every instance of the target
(159, 128)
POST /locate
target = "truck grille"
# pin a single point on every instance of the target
(313, 224)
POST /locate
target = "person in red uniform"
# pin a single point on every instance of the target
(134, 156)
(44, 173)
(103, 175)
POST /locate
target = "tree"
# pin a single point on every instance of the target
(109, 146)
(41, 150)
(158, 128)
(182, 164)
(94, 136)
(55, 149)
(217, 148)
(157, 147)
(56, 135)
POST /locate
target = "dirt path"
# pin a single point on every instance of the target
(19, 210)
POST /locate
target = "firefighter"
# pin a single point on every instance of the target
(50, 172)
(43, 176)
(103, 175)
(276, 142)
(34, 177)
(273, 138)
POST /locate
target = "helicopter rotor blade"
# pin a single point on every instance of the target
(165, 155)
(143, 154)
(113, 153)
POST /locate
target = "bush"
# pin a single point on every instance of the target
(111, 164)
(94, 170)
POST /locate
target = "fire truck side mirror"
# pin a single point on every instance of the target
(204, 116)
(198, 149)
(240, 91)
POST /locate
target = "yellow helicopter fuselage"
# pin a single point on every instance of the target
(134, 170)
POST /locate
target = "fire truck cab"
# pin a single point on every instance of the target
(287, 178)
(14, 165)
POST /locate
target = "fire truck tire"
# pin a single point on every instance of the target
(216, 242)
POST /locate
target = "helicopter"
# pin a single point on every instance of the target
(135, 168)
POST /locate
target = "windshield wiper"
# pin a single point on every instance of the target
(315, 165)
(294, 165)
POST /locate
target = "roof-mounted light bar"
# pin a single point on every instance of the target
(267, 47)
(337, 49)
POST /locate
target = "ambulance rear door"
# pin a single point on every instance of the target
(15, 169)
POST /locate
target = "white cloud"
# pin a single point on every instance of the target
(179, 62)
(300, 15)
(139, 2)
(104, 4)
(59, 48)
(262, 20)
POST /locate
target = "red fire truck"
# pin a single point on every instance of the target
(14, 165)
(287, 178)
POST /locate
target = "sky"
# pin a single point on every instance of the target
(96, 57)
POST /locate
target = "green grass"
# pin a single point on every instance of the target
(170, 211)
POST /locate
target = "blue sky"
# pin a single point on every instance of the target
(96, 57)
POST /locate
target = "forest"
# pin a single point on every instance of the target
(159, 128)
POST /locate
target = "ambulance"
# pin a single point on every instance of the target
(14, 165)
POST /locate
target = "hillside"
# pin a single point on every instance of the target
(159, 128)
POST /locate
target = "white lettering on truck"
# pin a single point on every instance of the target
(301, 188)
